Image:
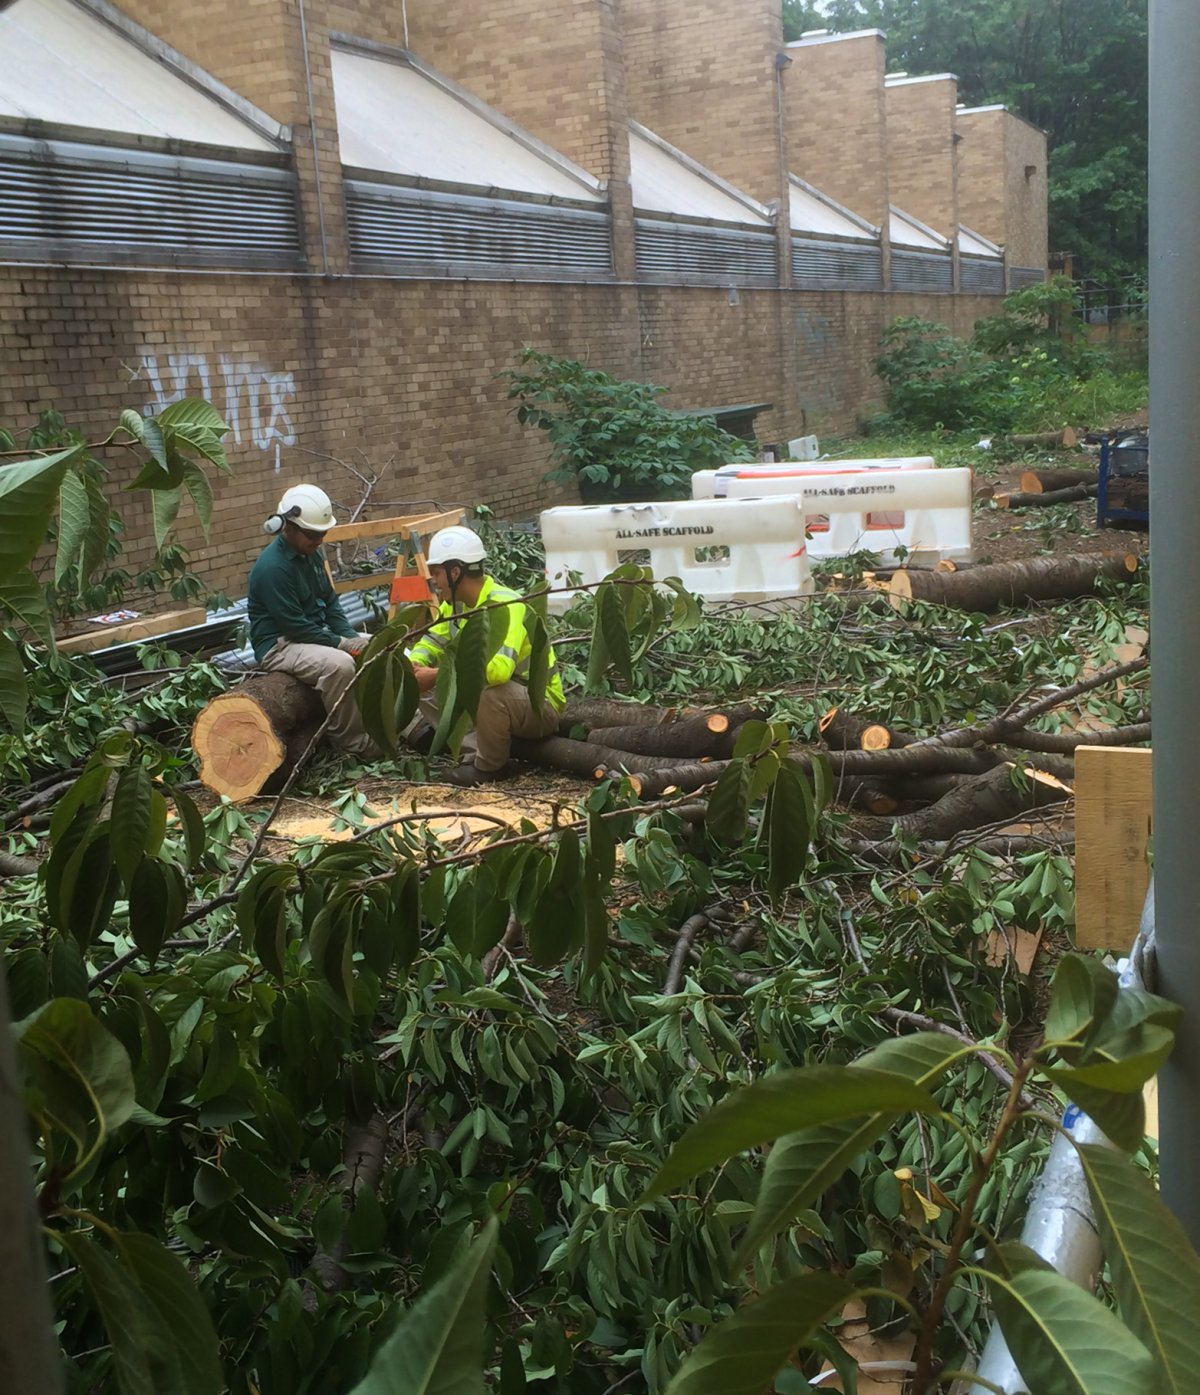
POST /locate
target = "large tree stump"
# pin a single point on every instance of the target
(249, 739)
(1008, 583)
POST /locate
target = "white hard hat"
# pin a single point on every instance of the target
(455, 545)
(307, 506)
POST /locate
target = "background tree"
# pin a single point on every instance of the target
(1076, 68)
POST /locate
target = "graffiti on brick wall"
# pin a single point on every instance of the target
(253, 400)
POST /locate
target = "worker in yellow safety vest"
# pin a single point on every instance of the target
(456, 557)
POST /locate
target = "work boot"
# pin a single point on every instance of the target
(421, 738)
(469, 775)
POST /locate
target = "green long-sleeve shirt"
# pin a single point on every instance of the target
(291, 598)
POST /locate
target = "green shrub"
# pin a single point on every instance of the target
(614, 438)
(935, 379)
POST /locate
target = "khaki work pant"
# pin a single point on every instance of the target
(330, 672)
(504, 712)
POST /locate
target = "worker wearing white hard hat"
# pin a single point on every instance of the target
(297, 624)
(456, 557)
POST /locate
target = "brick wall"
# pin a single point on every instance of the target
(982, 203)
(836, 121)
(1025, 158)
(920, 143)
(1002, 182)
(702, 74)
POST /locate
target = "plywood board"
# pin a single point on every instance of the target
(1113, 806)
(147, 627)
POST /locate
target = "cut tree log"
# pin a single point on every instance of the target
(844, 732)
(990, 798)
(589, 760)
(708, 734)
(249, 740)
(611, 712)
(1050, 481)
(1066, 439)
(1047, 498)
(1009, 583)
(1067, 742)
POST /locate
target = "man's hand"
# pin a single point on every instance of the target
(426, 678)
(353, 647)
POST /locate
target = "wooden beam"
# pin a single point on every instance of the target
(422, 524)
(1113, 806)
(145, 627)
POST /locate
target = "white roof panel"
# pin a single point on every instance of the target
(975, 244)
(665, 180)
(814, 212)
(401, 118)
(63, 63)
(906, 231)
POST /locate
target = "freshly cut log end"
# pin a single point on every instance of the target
(1050, 481)
(245, 737)
(1011, 583)
(875, 738)
(239, 749)
(717, 723)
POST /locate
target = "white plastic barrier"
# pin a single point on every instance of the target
(723, 550)
(714, 484)
(925, 512)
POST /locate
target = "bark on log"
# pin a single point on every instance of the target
(1068, 742)
(710, 734)
(1066, 439)
(987, 799)
(1009, 583)
(1050, 481)
(611, 712)
(587, 759)
(250, 738)
(1047, 498)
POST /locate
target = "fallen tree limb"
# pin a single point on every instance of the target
(986, 799)
(1066, 439)
(679, 955)
(707, 734)
(1010, 583)
(1070, 741)
(1044, 499)
(1051, 481)
(611, 712)
(13, 866)
(590, 760)
(249, 739)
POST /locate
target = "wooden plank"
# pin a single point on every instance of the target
(363, 583)
(1113, 807)
(146, 627)
(423, 524)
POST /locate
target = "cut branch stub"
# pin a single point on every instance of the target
(245, 737)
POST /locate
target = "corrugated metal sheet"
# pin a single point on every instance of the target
(983, 275)
(402, 119)
(836, 266)
(906, 231)
(433, 232)
(664, 180)
(73, 202)
(684, 253)
(813, 212)
(64, 65)
(1022, 276)
(922, 271)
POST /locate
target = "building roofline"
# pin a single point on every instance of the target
(921, 227)
(833, 38)
(402, 57)
(1000, 106)
(191, 73)
(702, 172)
(834, 205)
(907, 81)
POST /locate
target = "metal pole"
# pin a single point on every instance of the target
(1175, 528)
(29, 1355)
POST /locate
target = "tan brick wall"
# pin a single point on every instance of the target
(920, 143)
(836, 120)
(1025, 159)
(701, 74)
(982, 204)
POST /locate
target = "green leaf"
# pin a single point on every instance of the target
(470, 662)
(200, 489)
(190, 1345)
(446, 699)
(25, 600)
(12, 684)
(93, 888)
(157, 899)
(610, 613)
(121, 1311)
(1065, 1341)
(753, 736)
(28, 492)
(781, 1104)
(801, 1166)
(192, 824)
(1154, 1269)
(539, 658)
(81, 1071)
(555, 926)
(133, 422)
(406, 913)
(729, 804)
(788, 828)
(437, 1348)
(131, 819)
(1121, 1116)
(1081, 991)
(164, 505)
(743, 1354)
(74, 517)
(155, 442)
(95, 541)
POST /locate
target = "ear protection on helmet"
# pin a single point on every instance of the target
(275, 523)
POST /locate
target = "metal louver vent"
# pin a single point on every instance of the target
(836, 266)
(983, 275)
(922, 271)
(695, 254)
(69, 202)
(1022, 276)
(395, 228)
